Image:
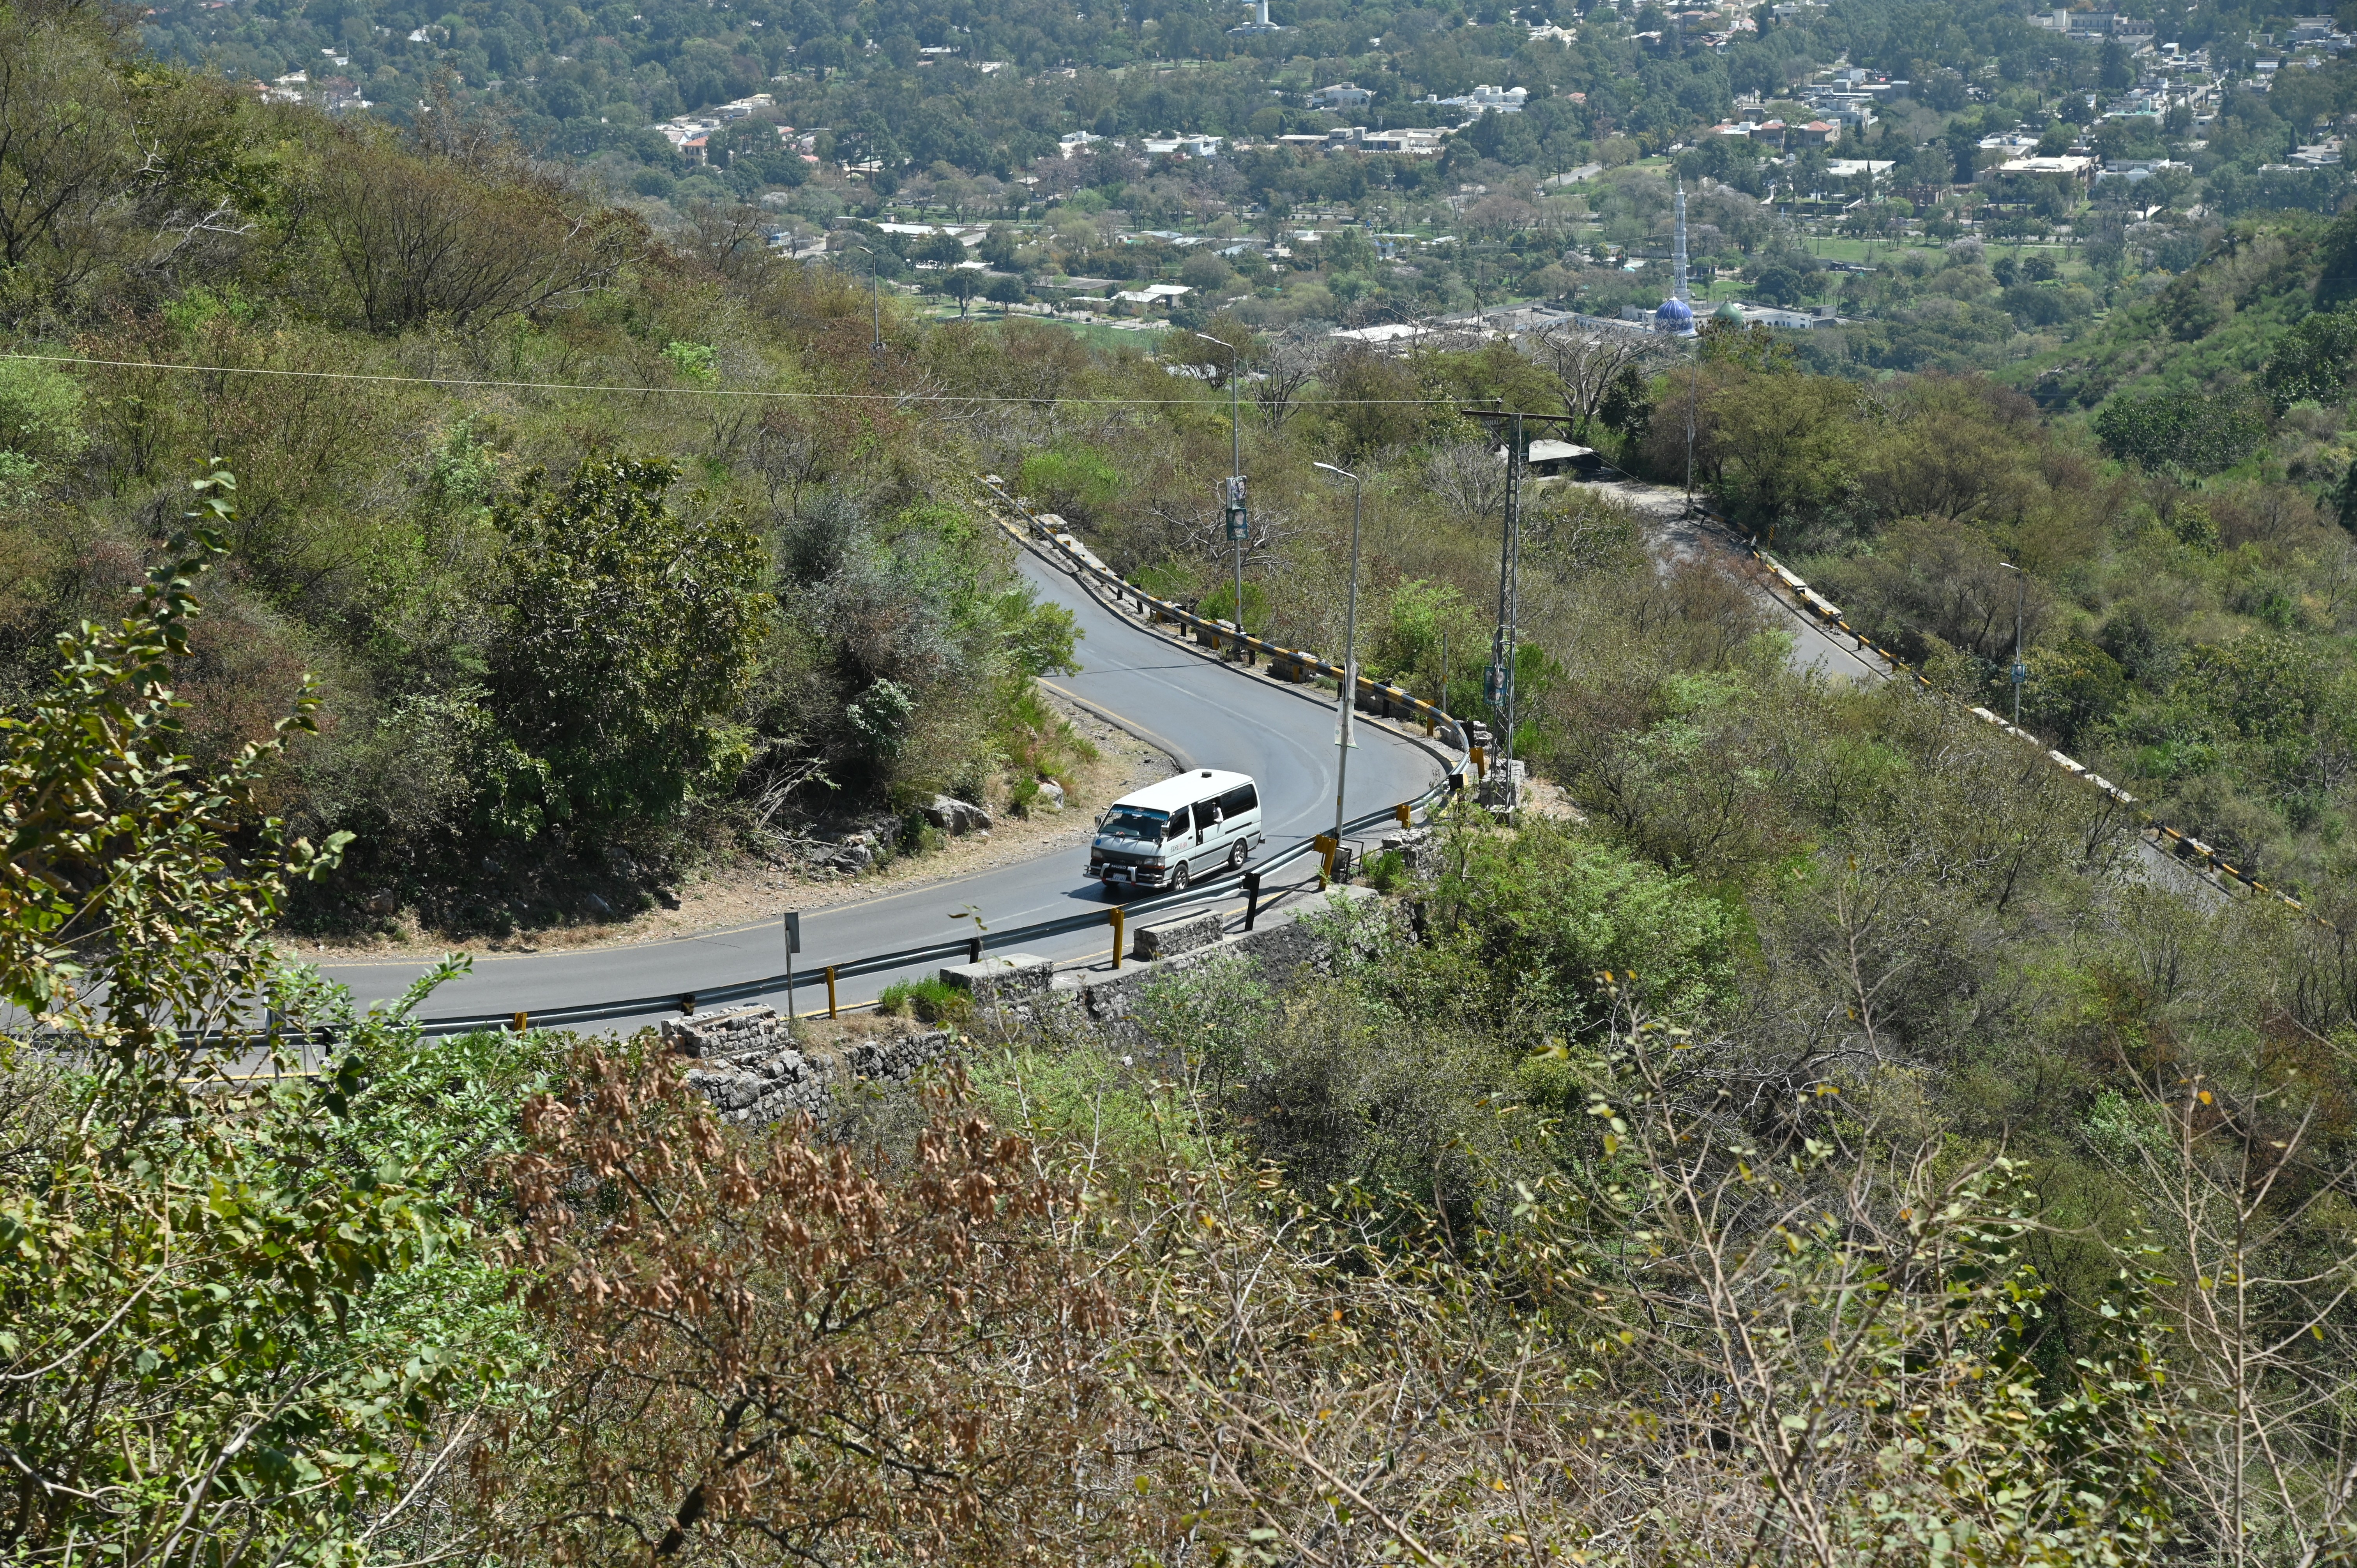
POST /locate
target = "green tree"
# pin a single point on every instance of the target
(2182, 431)
(1774, 445)
(2336, 257)
(631, 633)
(962, 285)
(40, 412)
(2313, 362)
(2345, 499)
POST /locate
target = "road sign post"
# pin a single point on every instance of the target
(793, 930)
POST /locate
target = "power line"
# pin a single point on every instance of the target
(450, 383)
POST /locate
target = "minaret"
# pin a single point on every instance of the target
(1678, 250)
(1260, 22)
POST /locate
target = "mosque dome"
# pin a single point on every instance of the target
(1675, 316)
(1728, 311)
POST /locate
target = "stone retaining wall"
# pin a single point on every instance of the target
(1279, 949)
(749, 1067)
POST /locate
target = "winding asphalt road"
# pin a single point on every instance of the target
(1203, 714)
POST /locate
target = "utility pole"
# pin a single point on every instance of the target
(1239, 521)
(875, 293)
(1501, 682)
(1350, 655)
(1692, 370)
(2021, 672)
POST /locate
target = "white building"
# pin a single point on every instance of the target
(1419, 143)
(1341, 95)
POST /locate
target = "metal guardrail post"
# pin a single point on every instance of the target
(830, 991)
(523, 1022)
(687, 1002)
(1402, 811)
(1120, 917)
(1252, 899)
(974, 950)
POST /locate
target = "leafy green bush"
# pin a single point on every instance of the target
(1387, 871)
(1071, 479)
(930, 1001)
(234, 1292)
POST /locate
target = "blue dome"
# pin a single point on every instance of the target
(1675, 316)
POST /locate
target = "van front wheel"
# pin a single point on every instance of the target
(1236, 857)
(1179, 878)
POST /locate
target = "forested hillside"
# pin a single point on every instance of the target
(1827, 1141)
(2187, 544)
(547, 626)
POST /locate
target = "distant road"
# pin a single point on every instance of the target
(1675, 535)
(1172, 696)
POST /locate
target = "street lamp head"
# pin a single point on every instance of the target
(1206, 338)
(1333, 469)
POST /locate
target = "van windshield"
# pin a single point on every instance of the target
(1135, 822)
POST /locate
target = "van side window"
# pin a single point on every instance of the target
(1239, 801)
(1178, 827)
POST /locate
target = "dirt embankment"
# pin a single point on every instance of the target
(733, 894)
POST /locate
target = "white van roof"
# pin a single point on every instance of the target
(1184, 790)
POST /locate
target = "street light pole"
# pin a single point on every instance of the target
(2021, 672)
(1238, 524)
(1350, 653)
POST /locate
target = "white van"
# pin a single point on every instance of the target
(1170, 833)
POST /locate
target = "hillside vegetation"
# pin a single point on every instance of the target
(2186, 546)
(1830, 1145)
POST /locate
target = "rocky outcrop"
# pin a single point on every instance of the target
(1415, 846)
(955, 816)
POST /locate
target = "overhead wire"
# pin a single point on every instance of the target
(457, 383)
